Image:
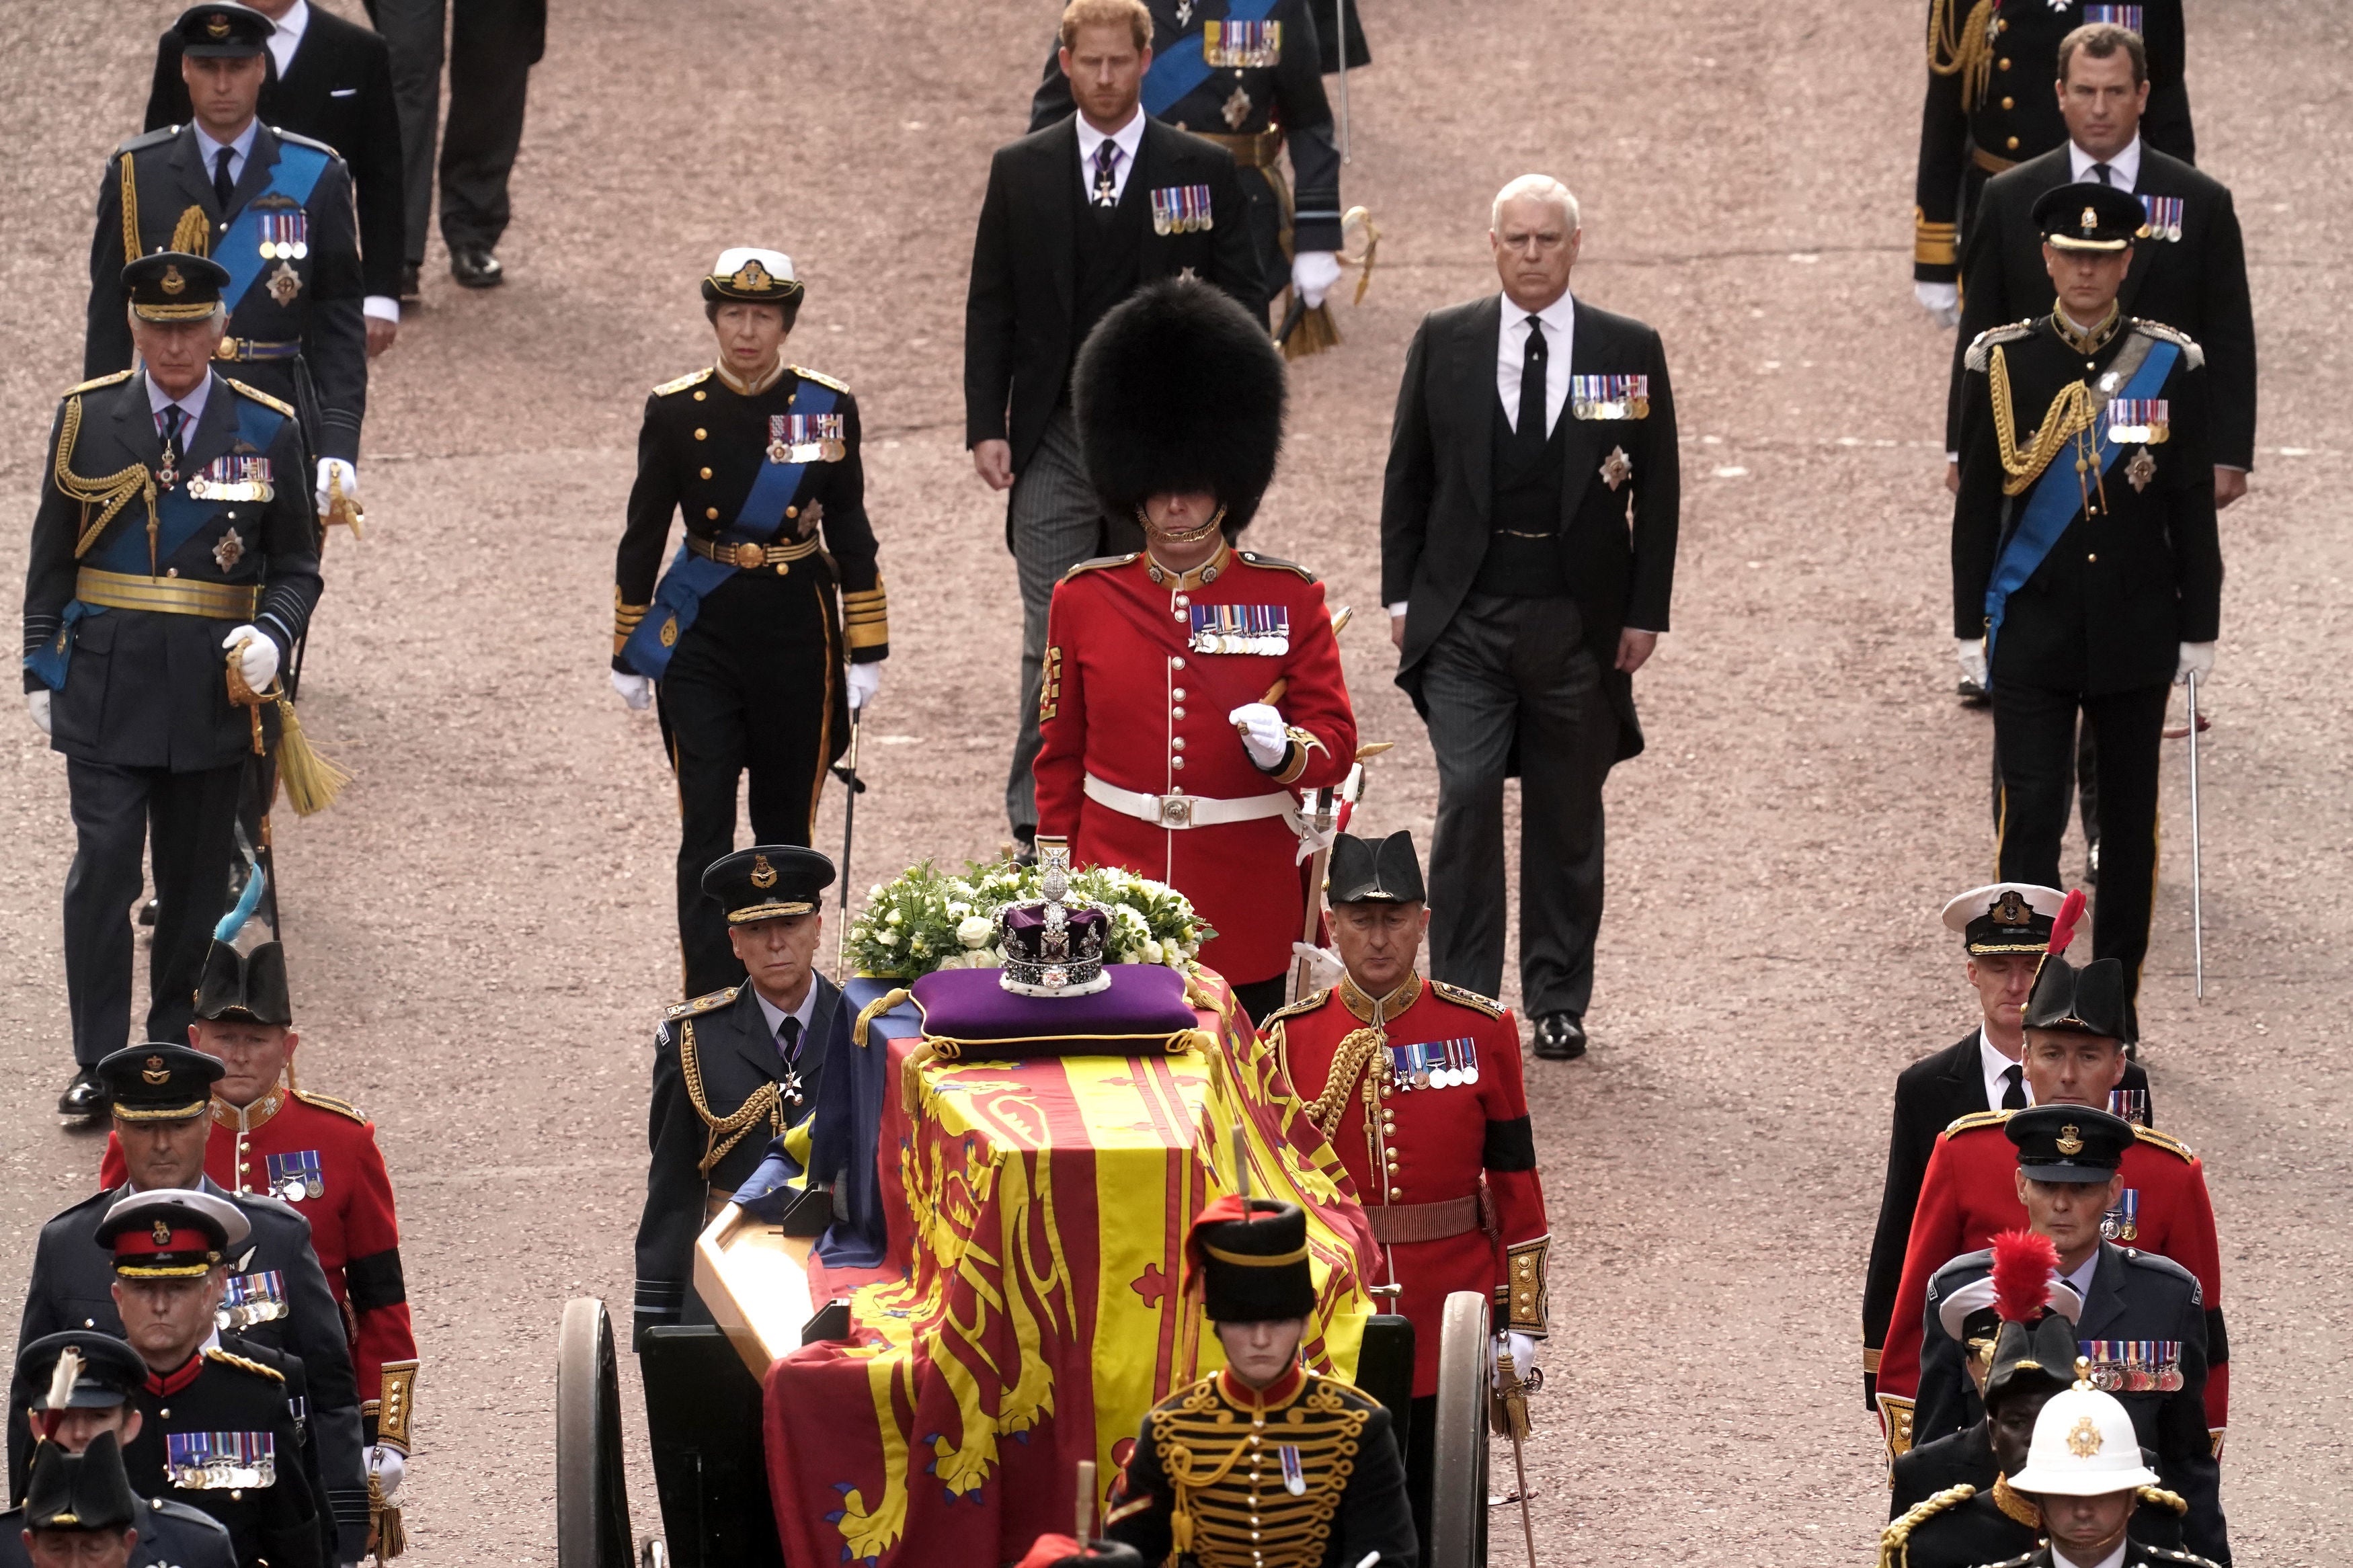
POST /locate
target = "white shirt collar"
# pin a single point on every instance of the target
(289, 36)
(777, 1016)
(2124, 168)
(2112, 1560)
(1129, 137)
(192, 407)
(241, 149)
(1993, 1065)
(1560, 319)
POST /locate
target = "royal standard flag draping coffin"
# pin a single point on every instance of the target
(1033, 1306)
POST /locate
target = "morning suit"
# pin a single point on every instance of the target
(1518, 673)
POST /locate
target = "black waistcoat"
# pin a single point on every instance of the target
(1523, 558)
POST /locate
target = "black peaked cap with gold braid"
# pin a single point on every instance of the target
(767, 882)
(156, 1082)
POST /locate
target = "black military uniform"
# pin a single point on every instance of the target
(2087, 500)
(277, 1296)
(219, 1431)
(2143, 1326)
(109, 1372)
(1248, 75)
(742, 635)
(1991, 106)
(164, 524)
(1303, 1473)
(727, 1081)
(284, 231)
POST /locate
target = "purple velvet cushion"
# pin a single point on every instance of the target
(1143, 1012)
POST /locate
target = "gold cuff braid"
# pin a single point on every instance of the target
(397, 1406)
(626, 617)
(866, 615)
(1935, 244)
(1527, 1306)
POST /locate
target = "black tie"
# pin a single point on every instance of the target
(788, 1037)
(1529, 433)
(223, 186)
(1106, 174)
(171, 427)
(2101, 170)
(2013, 1093)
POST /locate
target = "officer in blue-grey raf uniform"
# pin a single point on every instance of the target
(1247, 74)
(174, 560)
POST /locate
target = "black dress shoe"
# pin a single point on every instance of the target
(412, 282)
(83, 1098)
(475, 266)
(1560, 1037)
(1970, 693)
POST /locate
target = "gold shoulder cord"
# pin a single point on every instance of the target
(131, 246)
(1967, 52)
(762, 1101)
(2069, 415)
(110, 494)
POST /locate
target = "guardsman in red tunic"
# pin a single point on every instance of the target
(1191, 690)
(1417, 1083)
(319, 1155)
(2074, 1022)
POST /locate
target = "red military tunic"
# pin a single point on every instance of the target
(1454, 1161)
(319, 1155)
(1970, 1194)
(1142, 666)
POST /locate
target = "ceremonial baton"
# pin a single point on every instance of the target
(1291, 318)
(847, 774)
(2197, 882)
(1513, 1395)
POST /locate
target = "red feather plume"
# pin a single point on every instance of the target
(2023, 1263)
(2063, 929)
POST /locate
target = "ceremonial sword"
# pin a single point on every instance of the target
(2197, 886)
(856, 786)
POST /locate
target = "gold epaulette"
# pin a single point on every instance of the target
(1275, 563)
(1102, 563)
(1305, 1005)
(260, 396)
(2171, 1145)
(2180, 339)
(1976, 1119)
(1895, 1540)
(239, 1362)
(2158, 1497)
(1982, 347)
(694, 378)
(329, 1102)
(707, 1002)
(1471, 999)
(819, 376)
(93, 385)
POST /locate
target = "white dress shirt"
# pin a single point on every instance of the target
(1994, 1065)
(192, 408)
(1559, 319)
(239, 150)
(1127, 138)
(2112, 1560)
(2081, 1279)
(2123, 169)
(289, 36)
(777, 1016)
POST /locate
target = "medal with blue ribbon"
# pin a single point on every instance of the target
(1240, 628)
(1609, 396)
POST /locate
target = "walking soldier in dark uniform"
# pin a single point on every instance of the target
(1247, 74)
(743, 639)
(2087, 573)
(1990, 107)
(174, 523)
(1265, 1464)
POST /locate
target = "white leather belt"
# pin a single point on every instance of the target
(1179, 811)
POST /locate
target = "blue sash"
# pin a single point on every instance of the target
(2058, 497)
(294, 175)
(178, 516)
(1181, 70)
(678, 597)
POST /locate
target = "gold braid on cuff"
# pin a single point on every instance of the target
(1523, 1277)
(398, 1405)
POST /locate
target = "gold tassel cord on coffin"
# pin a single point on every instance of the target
(2070, 414)
(193, 233)
(1966, 51)
(110, 494)
(311, 780)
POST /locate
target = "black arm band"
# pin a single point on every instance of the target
(375, 1281)
(1510, 1146)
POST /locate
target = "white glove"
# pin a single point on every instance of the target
(328, 466)
(1263, 736)
(864, 682)
(1941, 301)
(2197, 659)
(1312, 273)
(259, 662)
(635, 689)
(388, 1465)
(1524, 1358)
(39, 701)
(1970, 651)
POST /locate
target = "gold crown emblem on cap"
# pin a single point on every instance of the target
(162, 1231)
(763, 876)
(2071, 1142)
(2090, 220)
(2012, 909)
(752, 276)
(173, 282)
(2083, 1437)
(217, 25)
(155, 1072)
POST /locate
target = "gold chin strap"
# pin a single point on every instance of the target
(1192, 536)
